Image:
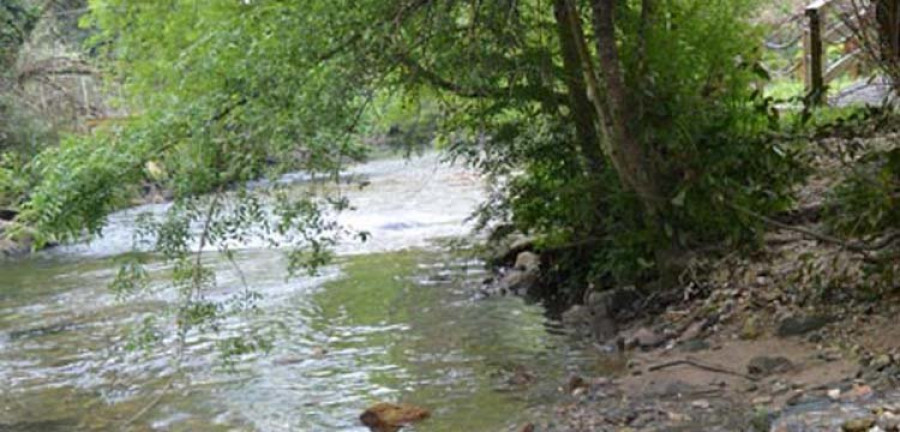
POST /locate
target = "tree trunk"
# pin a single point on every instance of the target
(631, 157)
(887, 14)
(628, 152)
(606, 93)
(613, 118)
(580, 107)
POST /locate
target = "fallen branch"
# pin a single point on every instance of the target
(805, 231)
(885, 241)
(698, 365)
(857, 247)
(863, 248)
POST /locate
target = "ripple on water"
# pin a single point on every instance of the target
(392, 320)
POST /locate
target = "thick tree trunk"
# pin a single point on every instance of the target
(612, 117)
(629, 154)
(580, 106)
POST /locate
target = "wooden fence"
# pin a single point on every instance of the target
(822, 31)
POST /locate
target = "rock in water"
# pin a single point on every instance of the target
(388, 417)
(528, 261)
(524, 277)
(519, 282)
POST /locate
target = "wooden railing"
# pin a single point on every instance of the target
(818, 73)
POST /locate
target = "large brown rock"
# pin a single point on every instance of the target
(388, 417)
(524, 277)
(528, 262)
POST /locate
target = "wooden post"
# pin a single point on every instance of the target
(804, 64)
(887, 16)
(815, 69)
(87, 98)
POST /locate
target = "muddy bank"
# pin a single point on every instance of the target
(723, 388)
(750, 344)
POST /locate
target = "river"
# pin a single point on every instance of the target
(393, 319)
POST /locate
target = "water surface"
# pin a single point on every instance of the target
(393, 319)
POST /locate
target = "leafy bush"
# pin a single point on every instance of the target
(19, 19)
(708, 132)
(867, 203)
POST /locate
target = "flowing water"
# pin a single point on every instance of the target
(392, 320)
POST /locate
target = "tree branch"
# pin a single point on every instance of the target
(433, 79)
(862, 248)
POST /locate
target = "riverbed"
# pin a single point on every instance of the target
(393, 319)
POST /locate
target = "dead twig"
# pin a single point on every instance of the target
(698, 365)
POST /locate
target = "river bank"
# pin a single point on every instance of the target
(401, 319)
(748, 347)
(795, 336)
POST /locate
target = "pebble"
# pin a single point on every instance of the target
(646, 338)
(882, 362)
(829, 355)
(762, 400)
(763, 366)
(834, 394)
(693, 332)
(858, 392)
(795, 398)
(750, 330)
(889, 421)
(575, 382)
(780, 387)
(800, 325)
(700, 404)
(858, 424)
(601, 381)
(695, 345)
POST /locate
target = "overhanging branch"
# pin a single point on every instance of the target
(532, 93)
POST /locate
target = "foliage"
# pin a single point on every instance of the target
(706, 123)
(404, 122)
(873, 25)
(710, 135)
(225, 92)
(18, 19)
(18, 130)
(220, 223)
(22, 132)
(867, 200)
(865, 204)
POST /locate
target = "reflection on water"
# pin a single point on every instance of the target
(393, 322)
